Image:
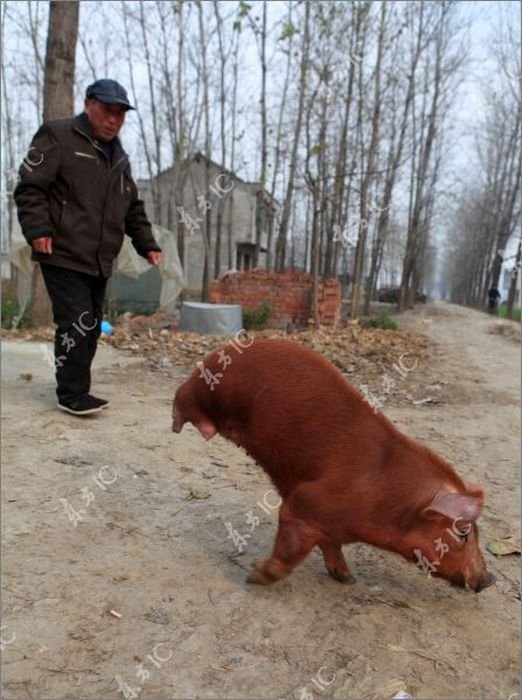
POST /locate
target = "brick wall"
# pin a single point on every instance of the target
(289, 293)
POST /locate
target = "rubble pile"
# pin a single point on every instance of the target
(365, 353)
(38, 335)
(509, 329)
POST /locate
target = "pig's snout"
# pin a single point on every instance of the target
(486, 581)
(477, 584)
(476, 574)
(458, 580)
(177, 420)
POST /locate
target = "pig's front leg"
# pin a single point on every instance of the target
(335, 562)
(295, 539)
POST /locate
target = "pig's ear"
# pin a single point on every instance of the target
(206, 428)
(453, 506)
(475, 491)
(177, 419)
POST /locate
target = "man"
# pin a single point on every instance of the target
(76, 199)
(494, 297)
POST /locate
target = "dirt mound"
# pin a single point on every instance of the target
(366, 354)
(509, 329)
(353, 349)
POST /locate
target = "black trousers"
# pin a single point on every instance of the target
(77, 300)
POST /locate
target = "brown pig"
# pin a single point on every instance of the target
(344, 472)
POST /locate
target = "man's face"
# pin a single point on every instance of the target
(106, 119)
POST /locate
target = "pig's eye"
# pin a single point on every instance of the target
(464, 533)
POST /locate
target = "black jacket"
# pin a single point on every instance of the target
(67, 189)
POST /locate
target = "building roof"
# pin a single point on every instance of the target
(256, 186)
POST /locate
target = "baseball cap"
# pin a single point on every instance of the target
(108, 91)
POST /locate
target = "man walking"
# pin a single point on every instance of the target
(76, 199)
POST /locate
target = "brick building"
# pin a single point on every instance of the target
(289, 294)
(242, 216)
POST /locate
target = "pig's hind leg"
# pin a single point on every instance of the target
(295, 539)
(335, 562)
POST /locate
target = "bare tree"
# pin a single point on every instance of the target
(223, 57)
(515, 277)
(33, 12)
(264, 142)
(397, 139)
(58, 102)
(151, 155)
(287, 203)
(368, 166)
(8, 133)
(339, 203)
(489, 208)
(371, 83)
(156, 127)
(441, 80)
(287, 36)
(204, 75)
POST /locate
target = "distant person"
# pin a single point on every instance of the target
(493, 299)
(76, 199)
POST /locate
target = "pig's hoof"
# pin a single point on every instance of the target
(256, 576)
(265, 572)
(342, 578)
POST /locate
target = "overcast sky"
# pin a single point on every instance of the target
(484, 18)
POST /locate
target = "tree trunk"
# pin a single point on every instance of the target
(307, 234)
(279, 138)
(219, 230)
(392, 170)
(143, 134)
(513, 284)
(407, 292)
(337, 219)
(315, 259)
(222, 102)
(8, 164)
(285, 218)
(207, 231)
(58, 103)
(153, 113)
(264, 143)
(39, 63)
(364, 211)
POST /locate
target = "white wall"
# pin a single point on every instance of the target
(234, 199)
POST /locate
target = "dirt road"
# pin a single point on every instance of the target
(117, 513)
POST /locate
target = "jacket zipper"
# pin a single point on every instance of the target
(62, 217)
(93, 143)
(98, 148)
(85, 155)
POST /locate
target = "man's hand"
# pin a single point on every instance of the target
(154, 257)
(43, 245)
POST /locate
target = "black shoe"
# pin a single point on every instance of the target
(84, 406)
(102, 403)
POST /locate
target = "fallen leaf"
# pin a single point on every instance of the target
(507, 545)
(198, 494)
(219, 464)
(422, 402)
(158, 616)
